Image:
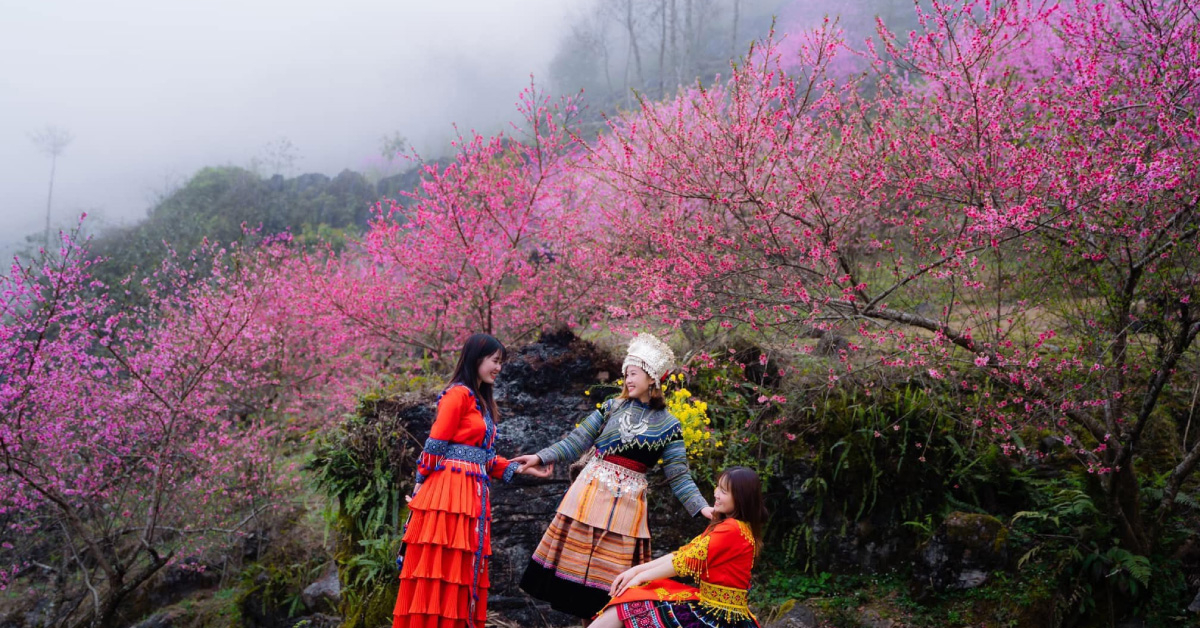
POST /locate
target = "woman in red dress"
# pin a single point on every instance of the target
(444, 573)
(720, 560)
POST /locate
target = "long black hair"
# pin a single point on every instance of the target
(746, 490)
(466, 372)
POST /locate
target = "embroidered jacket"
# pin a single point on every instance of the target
(632, 430)
(721, 560)
(462, 430)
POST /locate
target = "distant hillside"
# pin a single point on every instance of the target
(8, 248)
(217, 201)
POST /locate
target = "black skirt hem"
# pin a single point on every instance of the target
(564, 596)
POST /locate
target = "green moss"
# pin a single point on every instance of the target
(976, 531)
(365, 468)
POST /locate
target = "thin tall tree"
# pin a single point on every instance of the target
(51, 141)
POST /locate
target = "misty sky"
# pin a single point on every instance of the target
(155, 89)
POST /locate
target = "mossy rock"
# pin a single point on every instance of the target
(977, 532)
(963, 553)
(374, 608)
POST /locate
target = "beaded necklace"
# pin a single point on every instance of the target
(630, 430)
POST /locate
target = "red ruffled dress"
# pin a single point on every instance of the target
(720, 560)
(444, 578)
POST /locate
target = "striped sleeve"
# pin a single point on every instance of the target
(579, 440)
(679, 476)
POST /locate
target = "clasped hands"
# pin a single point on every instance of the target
(531, 464)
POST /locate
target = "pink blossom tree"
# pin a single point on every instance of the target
(1000, 204)
(499, 240)
(131, 440)
(1069, 136)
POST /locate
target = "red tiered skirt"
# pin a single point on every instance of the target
(446, 560)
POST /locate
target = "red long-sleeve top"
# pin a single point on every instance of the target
(461, 420)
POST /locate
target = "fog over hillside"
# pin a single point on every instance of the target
(153, 91)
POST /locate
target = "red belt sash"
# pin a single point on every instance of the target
(621, 461)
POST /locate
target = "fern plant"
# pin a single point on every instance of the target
(1068, 536)
(365, 468)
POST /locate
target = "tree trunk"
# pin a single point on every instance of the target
(631, 28)
(674, 47)
(662, 50)
(688, 36)
(1175, 481)
(1125, 504)
(733, 35)
(49, 198)
(109, 615)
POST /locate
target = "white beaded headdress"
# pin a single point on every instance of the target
(651, 355)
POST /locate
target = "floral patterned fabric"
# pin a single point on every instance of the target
(721, 560)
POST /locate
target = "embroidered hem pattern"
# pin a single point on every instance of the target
(730, 603)
(640, 615)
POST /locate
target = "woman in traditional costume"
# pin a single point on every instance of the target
(600, 527)
(447, 541)
(720, 560)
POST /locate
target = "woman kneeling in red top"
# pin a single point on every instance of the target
(720, 559)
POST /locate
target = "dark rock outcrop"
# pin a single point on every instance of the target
(966, 548)
(324, 594)
(162, 619)
(541, 397)
(540, 393)
(871, 618)
(169, 586)
(798, 616)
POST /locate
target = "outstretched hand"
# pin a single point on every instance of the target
(537, 471)
(707, 511)
(527, 460)
(531, 464)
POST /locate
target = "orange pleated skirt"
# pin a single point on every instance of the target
(444, 580)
